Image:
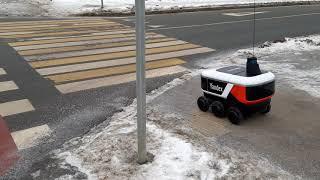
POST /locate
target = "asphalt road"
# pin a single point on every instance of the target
(74, 114)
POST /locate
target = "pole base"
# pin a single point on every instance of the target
(149, 159)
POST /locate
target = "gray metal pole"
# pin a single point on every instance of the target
(141, 85)
(102, 4)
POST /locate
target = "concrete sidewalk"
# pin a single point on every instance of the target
(288, 137)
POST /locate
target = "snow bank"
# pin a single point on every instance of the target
(79, 6)
(69, 7)
(295, 61)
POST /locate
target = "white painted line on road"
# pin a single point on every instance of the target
(114, 80)
(27, 138)
(41, 46)
(8, 86)
(120, 31)
(240, 14)
(117, 62)
(101, 51)
(15, 107)
(155, 26)
(233, 22)
(2, 71)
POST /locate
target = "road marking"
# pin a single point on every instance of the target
(15, 107)
(67, 27)
(19, 48)
(54, 26)
(155, 26)
(114, 80)
(108, 59)
(28, 137)
(8, 86)
(76, 76)
(2, 71)
(101, 51)
(46, 34)
(82, 29)
(120, 31)
(106, 54)
(27, 27)
(16, 33)
(240, 14)
(59, 21)
(77, 48)
(233, 22)
(60, 40)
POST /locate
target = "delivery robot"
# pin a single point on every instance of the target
(237, 91)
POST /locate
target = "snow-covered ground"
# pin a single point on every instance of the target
(68, 7)
(109, 150)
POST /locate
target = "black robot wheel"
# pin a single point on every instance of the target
(267, 109)
(218, 109)
(235, 116)
(203, 103)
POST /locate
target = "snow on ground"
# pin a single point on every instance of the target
(109, 151)
(67, 7)
(295, 61)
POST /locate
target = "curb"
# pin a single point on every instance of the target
(195, 9)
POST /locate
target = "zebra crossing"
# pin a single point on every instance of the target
(15, 106)
(82, 54)
(22, 138)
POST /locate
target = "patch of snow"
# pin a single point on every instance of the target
(109, 151)
(178, 159)
(295, 61)
(76, 162)
(68, 7)
(35, 174)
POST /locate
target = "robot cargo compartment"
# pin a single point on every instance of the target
(256, 92)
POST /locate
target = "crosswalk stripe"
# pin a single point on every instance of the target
(8, 86)
(77, 48)
(32, 34)
(101, 57)
(76, 76)
(119, 31)
(55, 25)
(101, 51)
(115, 80)
(74, 39)
(27, 138)
(16, 33)
(50, 21)
(15, 107)
(68, 27)
(42, 32)
(28, 27)
(109, 63)
(2, 71)
(66, 44)
(90, 28)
